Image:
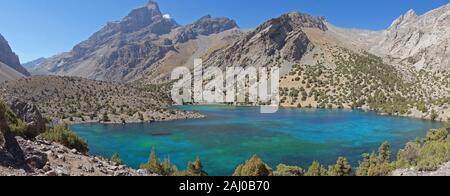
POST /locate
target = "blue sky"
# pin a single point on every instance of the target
(42, 28)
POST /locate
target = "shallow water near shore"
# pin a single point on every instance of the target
(230, 135)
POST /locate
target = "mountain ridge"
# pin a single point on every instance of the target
(126, 50)
(9, 58)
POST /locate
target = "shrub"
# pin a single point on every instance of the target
(342, 168)
(376, 164)
(433, 155)
(316, 169)
(427, 155)
(63, 135)
(116, 159)
(253, 167)
(155, 166)
(285, 170)
(437, 135)
(193, 169)
(16, 126)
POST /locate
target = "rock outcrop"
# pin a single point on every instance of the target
(45, 158)
(421, 40)
(22, 157)
(28, 113)
(11, 155)
(276, 42)
(9, 58)
(205, 26)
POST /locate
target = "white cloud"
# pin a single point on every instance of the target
(167, 16)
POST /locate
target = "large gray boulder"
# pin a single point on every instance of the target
(29, 113)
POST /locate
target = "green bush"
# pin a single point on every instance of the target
(116, 159)
(428, 154)
(286, 170)
(16, 125)
(316, 169)
(63, 135)
(376, 164)
(155, 166)
(433, 155)
(193, 169)
(253, 167)
(342, 168)
(437, 135)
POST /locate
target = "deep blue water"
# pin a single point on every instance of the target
(231, 135)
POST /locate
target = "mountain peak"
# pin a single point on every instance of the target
(405, 18)
(297, 20)
(152, 5)
(411, 14)
(148, 15)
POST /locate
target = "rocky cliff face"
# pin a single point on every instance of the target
(278, 41)
(422, 40)
(9, 58)
(205, 26)
(129, 49)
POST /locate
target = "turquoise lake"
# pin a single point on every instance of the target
(231, 135)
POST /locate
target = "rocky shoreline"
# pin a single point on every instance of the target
(45, 158)
(444, 170)
(147, 117)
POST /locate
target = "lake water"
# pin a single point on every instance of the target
(231, 135)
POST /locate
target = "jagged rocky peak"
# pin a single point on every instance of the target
(410, 16)
(148, 15)
(206, 25)
(8, 57)
(296, 20)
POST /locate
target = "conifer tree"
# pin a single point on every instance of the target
(316, 169)
(342, 168)
(253, 167)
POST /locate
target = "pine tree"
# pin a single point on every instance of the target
(342, 168)
(167, 168)
(153, 165)
(376, 164)
(196, 168)
(385, 152)
(253, 167)
(316, 169)
(116, 159)
(364, 165)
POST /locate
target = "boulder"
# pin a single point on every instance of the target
(29, 113)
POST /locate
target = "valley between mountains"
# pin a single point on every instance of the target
(121, 74)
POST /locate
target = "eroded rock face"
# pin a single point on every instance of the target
(30, 114)
(205, 26)
(280, 40)
(8, 57)
(422, 40)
